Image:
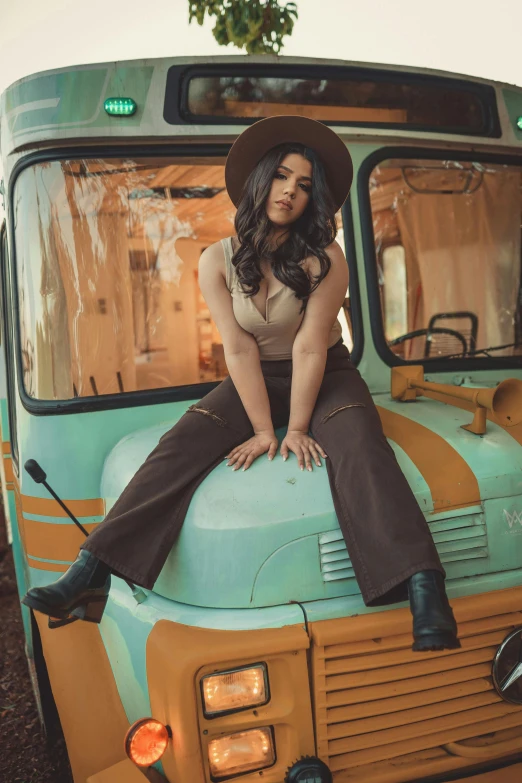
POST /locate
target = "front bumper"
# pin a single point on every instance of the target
(512, 774)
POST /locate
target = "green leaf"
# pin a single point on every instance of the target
(259, 26)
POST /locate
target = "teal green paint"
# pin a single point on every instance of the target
(38, 577)
(125, 629)
(128, 82)
(156, 608)
(74, 470)
(513, 101)
(61, 520)
(504, 517)
(75, 97)
(47, 560)
(4, 417)
(21, 569)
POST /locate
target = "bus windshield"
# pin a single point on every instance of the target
(107, 254)
(448, 250)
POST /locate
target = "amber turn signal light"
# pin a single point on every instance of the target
(146, 741)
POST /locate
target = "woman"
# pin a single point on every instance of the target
(274, 292)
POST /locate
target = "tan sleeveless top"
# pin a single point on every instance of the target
(275, 333)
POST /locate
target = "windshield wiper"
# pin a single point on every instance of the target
(515, 359)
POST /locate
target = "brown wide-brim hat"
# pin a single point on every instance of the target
(257, 139)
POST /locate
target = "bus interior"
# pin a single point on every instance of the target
(108, 253)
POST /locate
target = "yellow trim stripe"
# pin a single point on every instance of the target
(8, 470)
(49, 540)
(53, 541)
(56, 567)
(91, 507)
(451, 481)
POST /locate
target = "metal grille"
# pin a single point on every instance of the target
(387, 715)
(456, 538)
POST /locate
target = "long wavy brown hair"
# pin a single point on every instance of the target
(309, 235)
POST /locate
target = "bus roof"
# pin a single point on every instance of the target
(67, 104)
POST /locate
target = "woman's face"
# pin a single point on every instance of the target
(291, 190)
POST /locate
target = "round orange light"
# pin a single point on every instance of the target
(146, 741)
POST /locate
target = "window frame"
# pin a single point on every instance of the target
(166, 394)
(7, 342)
(176, 111)
(370, 254)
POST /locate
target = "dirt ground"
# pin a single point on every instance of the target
(25, 756)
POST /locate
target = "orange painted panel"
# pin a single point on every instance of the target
(511, 774)
(53, 541)
(178, 655)
(90, 507)
(122, 772)
(507, 716)
(408, 717)
(471, 609)
(407, 688)
(8, 469)
(387, 705)
(451, 481)
(6, 447)
(43, 566)
(91, 713)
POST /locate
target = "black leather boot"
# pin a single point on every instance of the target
(81, 592)
(434, 626)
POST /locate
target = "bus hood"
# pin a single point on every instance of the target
(270, 535)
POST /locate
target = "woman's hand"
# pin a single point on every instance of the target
(304, 447)
(244, 454)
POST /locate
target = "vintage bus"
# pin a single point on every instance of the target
(254, 657)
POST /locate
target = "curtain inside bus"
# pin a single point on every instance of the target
(459, 227)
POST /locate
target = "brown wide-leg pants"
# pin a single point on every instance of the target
(386, 534)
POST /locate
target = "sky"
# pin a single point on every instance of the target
(462, 36)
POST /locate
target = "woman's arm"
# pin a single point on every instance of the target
(309, 357)
(242, 358)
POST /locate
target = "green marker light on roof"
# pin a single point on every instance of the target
(120, 107)
(519, 123)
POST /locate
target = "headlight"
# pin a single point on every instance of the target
(246, 751)
(234, 690)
